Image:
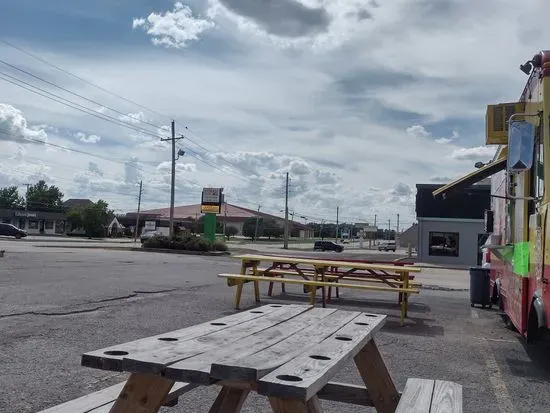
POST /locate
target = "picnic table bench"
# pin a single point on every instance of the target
(287, 353)
(317, 273)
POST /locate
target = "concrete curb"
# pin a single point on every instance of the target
(183, 252)
(165, 251)
(91, 247)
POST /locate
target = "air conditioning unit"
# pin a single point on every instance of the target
(497, 121)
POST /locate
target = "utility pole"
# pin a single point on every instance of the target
(398, 223)
(285, 242)
(337, 215)
(389, 228)
(139, 207)
(321, 234)
(224, 216)
(27, 196)
(173, 182)
(375, 216)
(257, 219)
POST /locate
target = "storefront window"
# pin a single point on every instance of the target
(444, 244)
(33, 224)
(48, 224)
(21, 223)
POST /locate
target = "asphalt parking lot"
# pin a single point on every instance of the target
(56, 303)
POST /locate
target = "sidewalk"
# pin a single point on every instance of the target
(444, 279)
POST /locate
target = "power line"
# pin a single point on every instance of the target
(80, 78)
(115, 95)
(73, 93)
(74, 105)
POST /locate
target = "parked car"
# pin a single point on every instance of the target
(9, 230)
(327, 246)
(149, 234)
(388, 246)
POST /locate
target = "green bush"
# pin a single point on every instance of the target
(184, 243)
(219, 245)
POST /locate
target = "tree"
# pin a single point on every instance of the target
(249, 227)
(74, 219)
(42, 197)
(231, 232)
(92, 218)
(10, 198)
(271, 229)
(95, 218)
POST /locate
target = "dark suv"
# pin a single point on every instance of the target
(9, 230)
(327, 246)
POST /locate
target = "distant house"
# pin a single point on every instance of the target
(233, 215)
(409, 236)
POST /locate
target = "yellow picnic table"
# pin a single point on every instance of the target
(395, 278)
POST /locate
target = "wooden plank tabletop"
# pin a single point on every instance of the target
(110, 358)
(249, 346)
(303, 376)
(335, 263)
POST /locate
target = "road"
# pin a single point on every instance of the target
(56, 303)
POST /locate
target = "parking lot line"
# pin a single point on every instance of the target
(500, 389)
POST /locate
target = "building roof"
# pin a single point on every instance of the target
(233, 213)
(76, 202)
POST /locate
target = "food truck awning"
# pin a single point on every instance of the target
(472, 178)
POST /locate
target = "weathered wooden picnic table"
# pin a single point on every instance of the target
(325, 273)
(287, 353)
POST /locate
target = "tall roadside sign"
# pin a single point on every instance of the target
(211, 205)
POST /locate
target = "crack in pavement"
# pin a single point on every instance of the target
(87, 310)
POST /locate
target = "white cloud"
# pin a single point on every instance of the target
(82, 137)
(135, 118)
(175, 28)
(299, 167)
(474, 153)
(180, 167)
(419, 131)
(13, 126)
(366, 94)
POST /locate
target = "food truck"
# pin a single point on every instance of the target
(518, 223)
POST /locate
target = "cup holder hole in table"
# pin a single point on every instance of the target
(116, 353)
(257, 312)
(275, 306)
(218, 324)
(343, 338)
(168, 339)
(286, 377)
(315, 357)
(361, 324)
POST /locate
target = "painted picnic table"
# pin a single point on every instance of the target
(394, 277)
(287, 353)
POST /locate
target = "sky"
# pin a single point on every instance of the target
(358, 100)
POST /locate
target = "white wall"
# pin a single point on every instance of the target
(468, 230)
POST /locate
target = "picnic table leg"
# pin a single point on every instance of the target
(142, 393)
(295, 406)
(312, 290)
(229, 400)
(406, 295)
(377, 379)
(238, 293)
(254, 266)
(321, 271)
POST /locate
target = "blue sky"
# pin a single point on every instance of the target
(358, 99)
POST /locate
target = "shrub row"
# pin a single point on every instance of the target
(186, 243)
